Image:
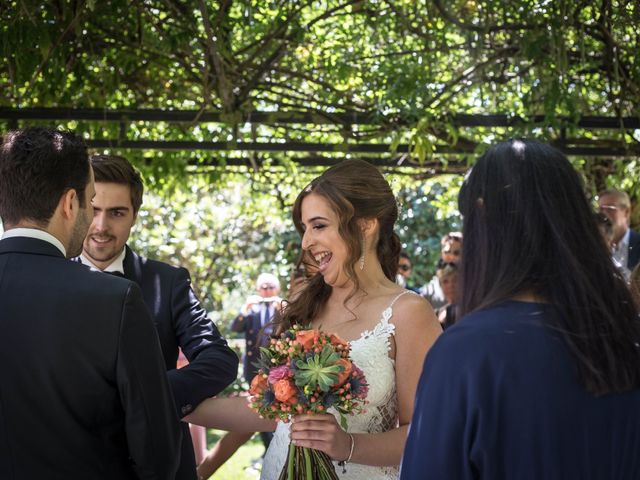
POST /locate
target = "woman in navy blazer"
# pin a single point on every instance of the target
(540, 379)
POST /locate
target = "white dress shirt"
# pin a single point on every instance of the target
(116, 266)
(620, 252)
(36, 233)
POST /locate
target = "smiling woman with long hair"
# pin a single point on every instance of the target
(540, 378)
(345, 218)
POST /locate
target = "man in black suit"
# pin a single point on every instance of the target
(179, 319)
(83, 393)
(626, 243)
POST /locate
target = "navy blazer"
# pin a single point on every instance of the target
(83, 389)
(182, 322)
(499, 398)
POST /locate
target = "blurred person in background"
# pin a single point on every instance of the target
(450, 252)
(605, 227)
(447, 274)
(626, 242)
(405, 268)
(254, 316)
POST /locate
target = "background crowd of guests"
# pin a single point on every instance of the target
(442, 289)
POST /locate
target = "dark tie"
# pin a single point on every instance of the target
(265, 318)
(116, 274)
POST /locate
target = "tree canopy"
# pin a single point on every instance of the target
(394, 73)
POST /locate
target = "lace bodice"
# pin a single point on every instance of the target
(370, 352)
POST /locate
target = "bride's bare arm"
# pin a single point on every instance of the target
(229, 413)
(416, 330)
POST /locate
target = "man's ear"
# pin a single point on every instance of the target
(69, 204)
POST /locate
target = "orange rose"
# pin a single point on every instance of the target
(344, 375)
(336, 340)
(258, 384)
(285, 392)
(307, 338)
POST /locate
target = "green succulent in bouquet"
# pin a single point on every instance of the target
(318, 370)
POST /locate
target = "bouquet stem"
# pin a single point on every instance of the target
(307, 464)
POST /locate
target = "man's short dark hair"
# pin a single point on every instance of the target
(116, 169)
(37, 166)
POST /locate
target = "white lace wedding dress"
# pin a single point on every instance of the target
(370, 353)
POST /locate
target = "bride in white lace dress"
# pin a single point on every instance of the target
(346, 218)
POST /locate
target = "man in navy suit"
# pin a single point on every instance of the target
(254, 316)
(83, 392)
(254, 320)
(179, 319)
(626, 242)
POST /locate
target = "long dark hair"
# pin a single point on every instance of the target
(528, 227)
(355, 190)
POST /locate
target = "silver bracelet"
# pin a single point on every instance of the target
(343, 463)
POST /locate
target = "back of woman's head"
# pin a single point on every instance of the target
(529, 228)
(356, 191)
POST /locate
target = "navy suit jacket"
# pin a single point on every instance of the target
(251, 325)
(181, 322)
(83, 390)
(634, 249)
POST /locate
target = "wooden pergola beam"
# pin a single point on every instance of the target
(308, 117)
(356, 148)
(602, 147)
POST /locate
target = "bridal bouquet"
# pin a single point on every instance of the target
(306, 372)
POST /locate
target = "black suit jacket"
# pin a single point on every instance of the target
(634, 249)
(83, 392)
(181, 322)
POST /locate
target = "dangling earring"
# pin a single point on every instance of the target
(364, 246)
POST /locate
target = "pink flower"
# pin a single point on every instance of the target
(278, 373)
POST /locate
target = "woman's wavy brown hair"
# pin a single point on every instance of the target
(356, 191)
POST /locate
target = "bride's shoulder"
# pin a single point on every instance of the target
(407, 300)
(413, 311)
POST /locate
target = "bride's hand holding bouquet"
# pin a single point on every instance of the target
(303, 374)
